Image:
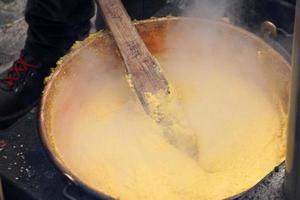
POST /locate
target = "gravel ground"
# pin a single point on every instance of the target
(12, 31)
(12, 35)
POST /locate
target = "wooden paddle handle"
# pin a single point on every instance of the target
(144, 69)
(147, 77)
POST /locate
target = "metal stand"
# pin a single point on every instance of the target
(292, 178)
(1, 191)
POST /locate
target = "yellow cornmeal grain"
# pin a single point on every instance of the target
(107, 140)
(165, 109)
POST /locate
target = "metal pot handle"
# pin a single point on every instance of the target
(67, 194)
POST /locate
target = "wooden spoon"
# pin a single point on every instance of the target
(145, 73)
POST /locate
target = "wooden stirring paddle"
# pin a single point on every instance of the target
(146, 77)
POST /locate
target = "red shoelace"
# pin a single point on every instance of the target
(14, 74)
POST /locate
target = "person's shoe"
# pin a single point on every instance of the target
(20, 88)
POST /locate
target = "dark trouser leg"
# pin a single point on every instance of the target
(54, 25)
(142, 9)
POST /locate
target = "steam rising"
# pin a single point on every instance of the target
(209, 9)
(229, 95)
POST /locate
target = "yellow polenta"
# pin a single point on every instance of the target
(105, 138)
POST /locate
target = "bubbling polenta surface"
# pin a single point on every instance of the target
(104, 137)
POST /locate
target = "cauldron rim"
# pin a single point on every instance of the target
(55, 72)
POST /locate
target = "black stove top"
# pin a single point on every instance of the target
(27, 169)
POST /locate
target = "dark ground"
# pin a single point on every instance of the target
(23, 160)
